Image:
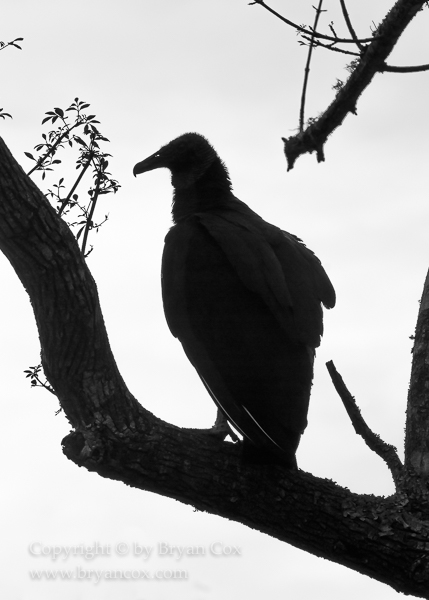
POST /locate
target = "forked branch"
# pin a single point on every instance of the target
(117, 438)
(371, 60)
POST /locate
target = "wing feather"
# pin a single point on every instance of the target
(278, 267)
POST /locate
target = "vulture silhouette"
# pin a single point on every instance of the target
(244, 299)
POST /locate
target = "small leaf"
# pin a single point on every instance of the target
(29, 155)
(79, 233)
(59, 111)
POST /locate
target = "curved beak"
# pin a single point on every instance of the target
(148, 164)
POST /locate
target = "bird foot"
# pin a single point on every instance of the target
(221, 429)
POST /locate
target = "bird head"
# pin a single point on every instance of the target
(188, 157)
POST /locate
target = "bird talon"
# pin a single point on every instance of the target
(223, 430)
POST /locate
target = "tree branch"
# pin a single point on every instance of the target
(371, 62)
(331, 47)
(366, 533)
(417, 428)
(76, 355)
(350, 26)
(307, 66)
(117, 438)
(372, 440)
(410, 69)
(309, 31)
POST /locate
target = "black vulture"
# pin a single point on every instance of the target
(244, 299)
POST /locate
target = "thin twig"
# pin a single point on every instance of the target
(54, 147)
(318, 44)
(386, 451)
(307, 67)
(393, 69)
(4, 45)
(91, 213)
(307, 32)
(350, 26)
(78, 180)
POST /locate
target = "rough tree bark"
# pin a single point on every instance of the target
(113, 435)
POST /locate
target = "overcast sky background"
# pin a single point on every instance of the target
(151, 71)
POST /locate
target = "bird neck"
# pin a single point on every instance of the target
(210, 190)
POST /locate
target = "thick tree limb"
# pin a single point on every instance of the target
(372, 440)
(76, 355)
(369, 534)
(371, 62)
(387, 539)
(417, 431)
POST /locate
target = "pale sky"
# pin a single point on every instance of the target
(152, 70)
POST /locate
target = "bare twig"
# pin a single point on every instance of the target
(319, 44)
(393, 69)
(307, 66)
(309, 32)
(350, 26)
(385, 451)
